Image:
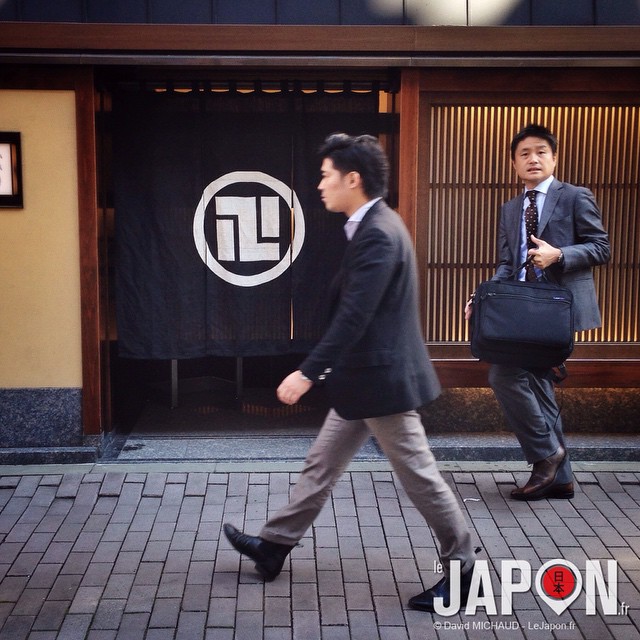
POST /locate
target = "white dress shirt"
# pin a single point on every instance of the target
(352, 223)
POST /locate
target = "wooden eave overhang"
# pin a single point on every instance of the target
(78, 43)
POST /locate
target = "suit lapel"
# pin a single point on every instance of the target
(338, 280)
(549, 205)
(515, 229)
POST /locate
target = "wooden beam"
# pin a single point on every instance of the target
(408, 148)
(599, 83)
(89, 271)
(604, 374)
(414, 40)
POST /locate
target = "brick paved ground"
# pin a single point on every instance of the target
(102, 554)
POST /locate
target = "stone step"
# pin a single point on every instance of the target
(485, 447)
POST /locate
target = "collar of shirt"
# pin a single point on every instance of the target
(541, 193)
(354, 220)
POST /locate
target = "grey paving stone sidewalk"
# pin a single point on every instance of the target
(136, 552)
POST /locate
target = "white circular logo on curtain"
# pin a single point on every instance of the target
(248, 228)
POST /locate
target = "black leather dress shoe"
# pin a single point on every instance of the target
(560, 491)
(543, 477)
(442, 589)
(268, 556)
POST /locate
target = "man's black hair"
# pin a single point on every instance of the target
(536, 131)
(362, 154)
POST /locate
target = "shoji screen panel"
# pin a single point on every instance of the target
(469, 176)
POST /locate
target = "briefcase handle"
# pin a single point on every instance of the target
(524, 264)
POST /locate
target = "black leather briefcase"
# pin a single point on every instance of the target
(523, 324)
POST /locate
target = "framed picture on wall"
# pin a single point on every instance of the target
(10, 170)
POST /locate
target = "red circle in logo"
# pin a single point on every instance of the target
(558, 581)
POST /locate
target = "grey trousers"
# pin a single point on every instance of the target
(532, 413)
(403, 440)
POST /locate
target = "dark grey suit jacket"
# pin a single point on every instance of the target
(571, 221)
(373, 354)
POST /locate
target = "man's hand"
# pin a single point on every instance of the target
(468, 309)
(545, 255)
(293, 387)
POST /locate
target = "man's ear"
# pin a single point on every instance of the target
(355, 179)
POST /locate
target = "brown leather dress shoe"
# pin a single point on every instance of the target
(541, 484)
(268, 556)
(562, 491)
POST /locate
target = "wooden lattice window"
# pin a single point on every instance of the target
(470, 175)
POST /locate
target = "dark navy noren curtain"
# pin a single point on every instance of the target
(228, 281)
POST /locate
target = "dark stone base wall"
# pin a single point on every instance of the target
(42, 426)
(592, 411)
(40, 417)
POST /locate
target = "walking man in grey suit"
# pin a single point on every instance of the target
(377, 372)
(569, 240)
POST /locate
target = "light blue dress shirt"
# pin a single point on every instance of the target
(541, 196)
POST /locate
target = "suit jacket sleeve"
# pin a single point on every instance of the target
(508, 227)
(589, 244)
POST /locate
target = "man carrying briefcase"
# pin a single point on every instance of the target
(558, 228)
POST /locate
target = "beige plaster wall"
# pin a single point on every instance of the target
(40, 343)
